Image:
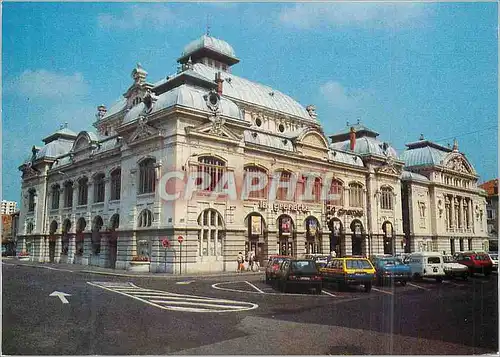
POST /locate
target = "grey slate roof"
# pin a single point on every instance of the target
(366, 146)
(212, 43)
(187, 96)
(412, 176)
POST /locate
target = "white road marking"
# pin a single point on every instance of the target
(184, 282)
(418, 286)
(328, 293)
(177, 302)
(383, 291)
(256, 288)
(61, 296)
(215, 286)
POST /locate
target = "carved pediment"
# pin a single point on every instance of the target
(388, 168)
(215, 128)
(143, 130)
(458, 164)
(29, 170)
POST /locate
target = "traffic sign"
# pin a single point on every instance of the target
(165, 242)
(180, 239)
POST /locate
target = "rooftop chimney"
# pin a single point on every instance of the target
(352, 138)
(219, 81)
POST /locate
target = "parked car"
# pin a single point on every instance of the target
(349, 271)
(300, 273)
(477, 262)
(454, 269)
(426, 265)
(391, 270)
(273, 266)
(319, 259)
(494, 260)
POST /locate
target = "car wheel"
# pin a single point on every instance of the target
(380, 281)
(403, 282)
(283, 287)
(368, 287)
(416, 276)
(439, 279)
(487, 272)
(319, 290)
(267, 279)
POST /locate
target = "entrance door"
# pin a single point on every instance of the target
(112, 246)
(52, 251)
(388, 248)
(357, 248)
(286, 247)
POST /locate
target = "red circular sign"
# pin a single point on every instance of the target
(165, 243)
(180, 239)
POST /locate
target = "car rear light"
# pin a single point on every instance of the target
(316, 277)
(292, 277)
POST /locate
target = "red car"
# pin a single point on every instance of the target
(273, 266)
(477, 262)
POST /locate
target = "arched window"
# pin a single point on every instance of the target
(80, 227)
(56, 189)
(116, 177)
(83, 191)
(31, 200)
(68, 194)
(30, 227)
(99, 188)
(256, 170)
(212, 233)
(145, 219)
(114, 222)
(215, 169)
(96, 235)
(147, 177)
(337, 189)
(355, 195)
(316, 188)
(386, 196)
(284, 191)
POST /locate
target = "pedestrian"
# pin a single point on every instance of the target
(240, 261)
(333, 254)
(249, 259)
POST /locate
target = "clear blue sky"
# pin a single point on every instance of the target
(404, 69)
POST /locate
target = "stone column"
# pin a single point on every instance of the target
(58, 248)
(469, 214)
(452, 212)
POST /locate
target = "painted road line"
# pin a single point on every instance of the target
(383, 291)
(177, 302)
(328, 293)
(256, 288)
(418, 286)
(184, 282)
(215, 286)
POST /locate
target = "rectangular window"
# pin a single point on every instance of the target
(461, 242)
(452, 246)
(55, 197)
(469, 243)
(115, 185)
(68, 195)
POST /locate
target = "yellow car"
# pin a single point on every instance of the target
(349, 271)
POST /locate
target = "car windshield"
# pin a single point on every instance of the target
(448, 259)
(306, 266)
(278, 260)
(357, 264)
(481, 257)
(391, 262)
(433, 260)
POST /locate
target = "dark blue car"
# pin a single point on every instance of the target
(391, 270)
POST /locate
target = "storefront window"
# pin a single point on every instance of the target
(211, 235)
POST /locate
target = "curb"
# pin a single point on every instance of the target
(150, 275)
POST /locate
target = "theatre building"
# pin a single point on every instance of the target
(105, 198)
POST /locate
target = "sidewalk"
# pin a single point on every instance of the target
(77, 268)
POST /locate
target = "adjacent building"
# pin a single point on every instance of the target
(203, 164)
(491, 188)
(8, 207)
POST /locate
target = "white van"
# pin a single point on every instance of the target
(426, 265)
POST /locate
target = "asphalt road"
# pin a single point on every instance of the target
(238, 315)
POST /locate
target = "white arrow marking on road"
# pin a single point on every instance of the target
(61, 296)
(184, 282)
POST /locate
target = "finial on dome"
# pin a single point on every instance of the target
(359, 119)
(421, 137)
(347, 123)
(455, 144)
(208, 27)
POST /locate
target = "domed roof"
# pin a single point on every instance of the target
(187, 96)
(211, 43)
(367, 146)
